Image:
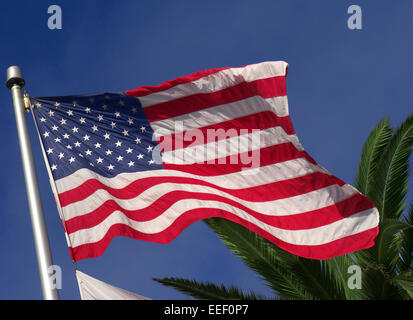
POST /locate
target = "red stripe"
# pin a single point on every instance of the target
(225, 130)
(266, 88)
(235, 163)
(362, 240)
(299, 221)
(279, 190)
(143, 91)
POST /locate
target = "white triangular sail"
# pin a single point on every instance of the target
(94, 289)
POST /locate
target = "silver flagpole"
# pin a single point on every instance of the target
(15, 82)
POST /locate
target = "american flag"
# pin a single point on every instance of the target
(149, 162)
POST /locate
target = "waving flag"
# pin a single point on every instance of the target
(149, 162)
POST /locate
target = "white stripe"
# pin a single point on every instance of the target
(237, 180)
(357, 223)
(306, 202)
(220, 113)
(217, 81)
(231, 146)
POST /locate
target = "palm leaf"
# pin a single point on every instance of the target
(388, 188)
(207, 290)
(405, 261)
(338, 271)
(378, 284)
(316, 278)
(390, 184)
(405, 281)
(370, 155)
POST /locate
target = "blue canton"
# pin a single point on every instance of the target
(107, 133)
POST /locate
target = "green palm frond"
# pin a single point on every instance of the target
(316, 278)
(207, 290)
(405, 261)
(390, 185)
(337, 269)
(371, 154)
(378, 284)
(405, 282)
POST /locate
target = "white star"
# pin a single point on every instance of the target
(75, 129)
(130, 121)
(57, 104)
(120, 158)
(69, 147)
(49, 151)
(107, 136)
(91, 164)
(108, 152)
(125, 132)
(72, 159)
(80, 155)
(131, 163)
(61, 155)
(57, 140)
(110, 167)
(88, 152)
(51, 113)
(140, 156)
(118, 143)
(66, 136)
(97, 145)
(69, 112)
(143, 129)
(149, 148)
(86, 137)
(129, 150)
(117, 114)
(87, 110)
(138, 140)
(77, 144)
(105, 107)
(151, 161)
(113, 124)
(82, 120)
(43, 119)
(38, 104)
(63, 121)
(46, 134)
(54, 167)
(95, 128)
(75, 103)
(55, 127)
(100, 117)
(99, 160)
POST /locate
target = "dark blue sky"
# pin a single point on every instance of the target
(340, 83)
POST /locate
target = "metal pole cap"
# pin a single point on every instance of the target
(14, 76)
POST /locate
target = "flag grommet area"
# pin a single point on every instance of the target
(149, 162)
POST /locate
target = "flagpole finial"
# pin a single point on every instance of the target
(14, 76)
